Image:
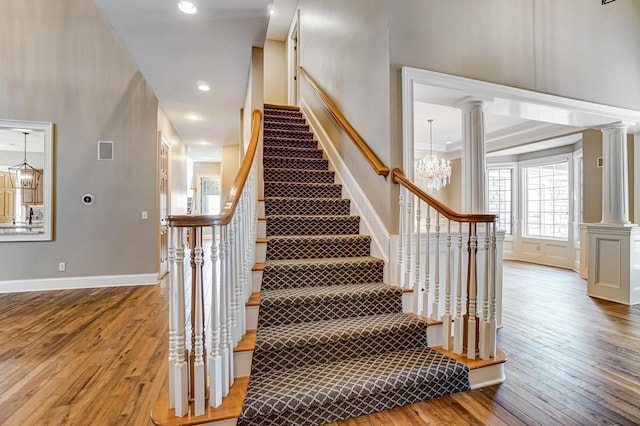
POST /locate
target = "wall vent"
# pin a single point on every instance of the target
(105, 150)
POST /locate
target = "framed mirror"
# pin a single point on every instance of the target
(26, 171)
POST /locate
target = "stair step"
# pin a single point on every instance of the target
(276, 118)
(291, 134)
(297, 345)
(279, 274)
(295, 163)
(273, 112)
(295, 305)
(286, 125)
(312, 225)
(302, 190)
(324, 393)
(294, 206)
(271, 141)
(292, 152)
(313, 247)
(298, 175)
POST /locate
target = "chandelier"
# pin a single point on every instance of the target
(23, 175)
(432, 173)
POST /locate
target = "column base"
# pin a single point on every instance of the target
(614, 262)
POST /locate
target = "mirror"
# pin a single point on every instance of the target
(26, 170)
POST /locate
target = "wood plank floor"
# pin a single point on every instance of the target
(98, 357)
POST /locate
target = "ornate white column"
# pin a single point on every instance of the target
(474, 165)
(615, 175)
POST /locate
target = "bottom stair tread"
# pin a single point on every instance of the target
(291, 396)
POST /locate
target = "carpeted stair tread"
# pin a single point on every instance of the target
(317, 246)
(292, 134)
(307, 206)
(323, 332)
(292, 152)
(302, 344)
(289, 273)
(287, 141)
(302, 190)
(275, 118)
(295, 305)
(286, 125)
(296, 163)
(297, 175)
(298, 296)
(322, 385)
(312, 225)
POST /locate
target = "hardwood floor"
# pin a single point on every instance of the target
(98, 357)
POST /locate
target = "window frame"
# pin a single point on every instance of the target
(512, 167)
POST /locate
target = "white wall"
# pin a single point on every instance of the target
(62, 63)
(344, 46)
(275, 72)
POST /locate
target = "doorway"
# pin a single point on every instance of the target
(164, 204)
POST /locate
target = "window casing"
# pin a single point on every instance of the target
(500, 192)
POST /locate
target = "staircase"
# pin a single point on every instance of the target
(332, 340)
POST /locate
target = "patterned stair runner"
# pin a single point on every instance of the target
(332, 340)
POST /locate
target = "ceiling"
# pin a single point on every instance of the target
(14, 140)
(175, 52)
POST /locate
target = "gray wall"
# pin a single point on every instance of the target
(355, 50)
(62, 63)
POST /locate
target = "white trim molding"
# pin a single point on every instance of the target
(69, 283)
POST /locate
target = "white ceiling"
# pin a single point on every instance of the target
(175, 51)
(14, 140)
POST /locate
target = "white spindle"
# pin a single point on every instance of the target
(458, 323)
(224, 310)
(233, 282)
(492, 296)
(446, 317)
(401, 241)
(427, 264)
(409, 232)
(229, 330)
(198, 366)
(472, 292)
(484, 344)
(180, 366)
(173, 327)
(416, 281)
(215, 360)
(435, 313)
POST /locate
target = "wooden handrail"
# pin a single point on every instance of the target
(368, 154)
(224, 218)
(399, 178)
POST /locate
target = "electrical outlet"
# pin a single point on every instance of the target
(62, 266)
(145, 215)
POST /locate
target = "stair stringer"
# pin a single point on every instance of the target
(371, 224)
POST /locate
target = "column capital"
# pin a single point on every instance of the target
(472, 101)
(614, 126)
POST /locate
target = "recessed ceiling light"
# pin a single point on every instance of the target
(204, 143)
(193, 117)
(447, 142)
(187, 7)
(204, 87)
(273, 11)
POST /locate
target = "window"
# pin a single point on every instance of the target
(546, 210)
(500, 196)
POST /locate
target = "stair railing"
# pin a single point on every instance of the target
(441, 259)
(201, 358)
(442, 267)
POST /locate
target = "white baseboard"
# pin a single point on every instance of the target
(487, 376)
(68, 283)
(368, 215)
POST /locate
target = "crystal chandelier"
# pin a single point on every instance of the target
(430, 172)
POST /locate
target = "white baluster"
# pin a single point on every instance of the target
(215, 360)
(233, 281)
(485, 333)
(427, 265)
(492, 297)
(435, 313)
(240, 278)
(401, 241)
(173, 327)
(180, 366)
(458, 323)
(472, 292)
(224, 310)
(228, 300)
(446, 317)
(198, 366)
(416, 281)
(409, 232)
